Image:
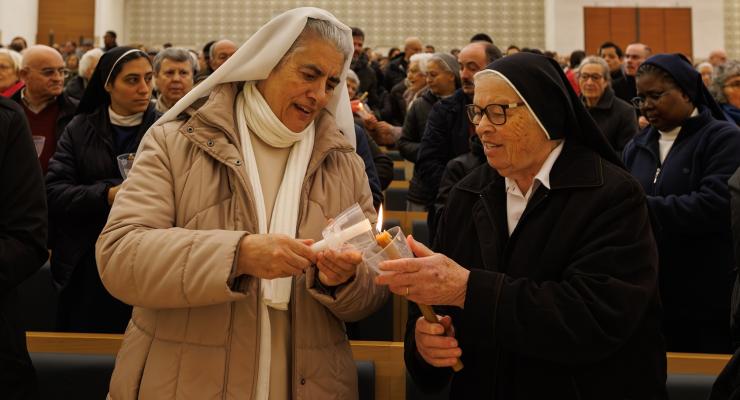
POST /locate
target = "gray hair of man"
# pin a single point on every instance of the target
(15, 58)
(422, 59)
(721, 74)
(324, 30)
(598, 61)
(175, 54)
(90, 56)
(352, 76)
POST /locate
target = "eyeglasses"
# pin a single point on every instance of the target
(654, 97)
(593, 77)
(50, 72)
(496, 113)
(732, 85)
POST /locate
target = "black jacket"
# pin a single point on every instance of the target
(408, 144)
(75, 88)
(393, 108)
(616, 119)
(368, 81)
(23, 225)
(689, 198)
(80, 173)
(395, 72)
(625, 88)
(565, 308)
(734, 184)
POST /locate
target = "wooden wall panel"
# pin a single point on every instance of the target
(678, 30)
(665, 30)
(596, 27)
(68, 19)
(623, 28)
(651, 28)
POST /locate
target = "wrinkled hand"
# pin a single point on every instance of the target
(337, 267)
(436, 343)
(642, 122)
(271, 256)
(431, 278)
(385, 133)
(112, 192)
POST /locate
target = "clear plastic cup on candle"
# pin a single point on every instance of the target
(125, 162)
(39, 141)
(349, 228)
(398, 248)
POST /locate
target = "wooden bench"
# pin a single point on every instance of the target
(390, 375)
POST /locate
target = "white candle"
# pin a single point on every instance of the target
(336, 239)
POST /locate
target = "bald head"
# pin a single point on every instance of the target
(411, 46)
(717, 57)
(39, 53)
(221, 51)
(42, 69)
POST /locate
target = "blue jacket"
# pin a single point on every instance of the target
(689, 200)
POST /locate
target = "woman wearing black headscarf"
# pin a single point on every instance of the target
(683, 161)
(83, 180)
(547, 277)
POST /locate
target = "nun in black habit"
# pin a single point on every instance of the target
(683, 161)
(545, 271)
(82, 182)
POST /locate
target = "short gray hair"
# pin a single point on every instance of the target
(422, 59)
(87, 59)
(174, 54)
(15, 58)
(598, 61)
(721, 74)
(326, 31)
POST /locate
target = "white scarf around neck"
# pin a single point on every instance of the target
(124, 120)
(254, 116)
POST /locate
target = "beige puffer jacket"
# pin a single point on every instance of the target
(169, 246)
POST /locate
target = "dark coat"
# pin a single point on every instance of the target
(616, 119)
(734, 185)
(395, 72)
(565, 308)
(408, 143)
(455, 171)
(689, 199)
(75, 88)
(368, 81)
(23, 225)
(625, 88)
(67, 109)
(363, 150)
(82, 170)
(393, 109)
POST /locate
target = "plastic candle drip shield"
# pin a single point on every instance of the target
(350, 227)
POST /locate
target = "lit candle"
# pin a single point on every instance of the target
(385, 241)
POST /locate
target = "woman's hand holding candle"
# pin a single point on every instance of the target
(431, 278)
(337, 267)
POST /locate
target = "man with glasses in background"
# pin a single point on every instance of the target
(47, 109)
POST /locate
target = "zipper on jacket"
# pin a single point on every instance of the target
(655, 178)
(257, 342)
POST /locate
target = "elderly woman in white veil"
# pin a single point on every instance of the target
(210, 235)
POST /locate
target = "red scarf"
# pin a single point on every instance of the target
(9, 92)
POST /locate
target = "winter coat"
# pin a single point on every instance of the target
(170, 246)
(689, 199)
(567, 306)
(395, 72)
(80, 173)
(408, 144)
(616, 119)
(23, 224)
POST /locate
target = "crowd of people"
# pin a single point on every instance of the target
(579, 209)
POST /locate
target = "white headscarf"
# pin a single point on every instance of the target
(256, 58)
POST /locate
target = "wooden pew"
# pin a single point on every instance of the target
(390, 376)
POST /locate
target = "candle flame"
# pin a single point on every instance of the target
(379, 225)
